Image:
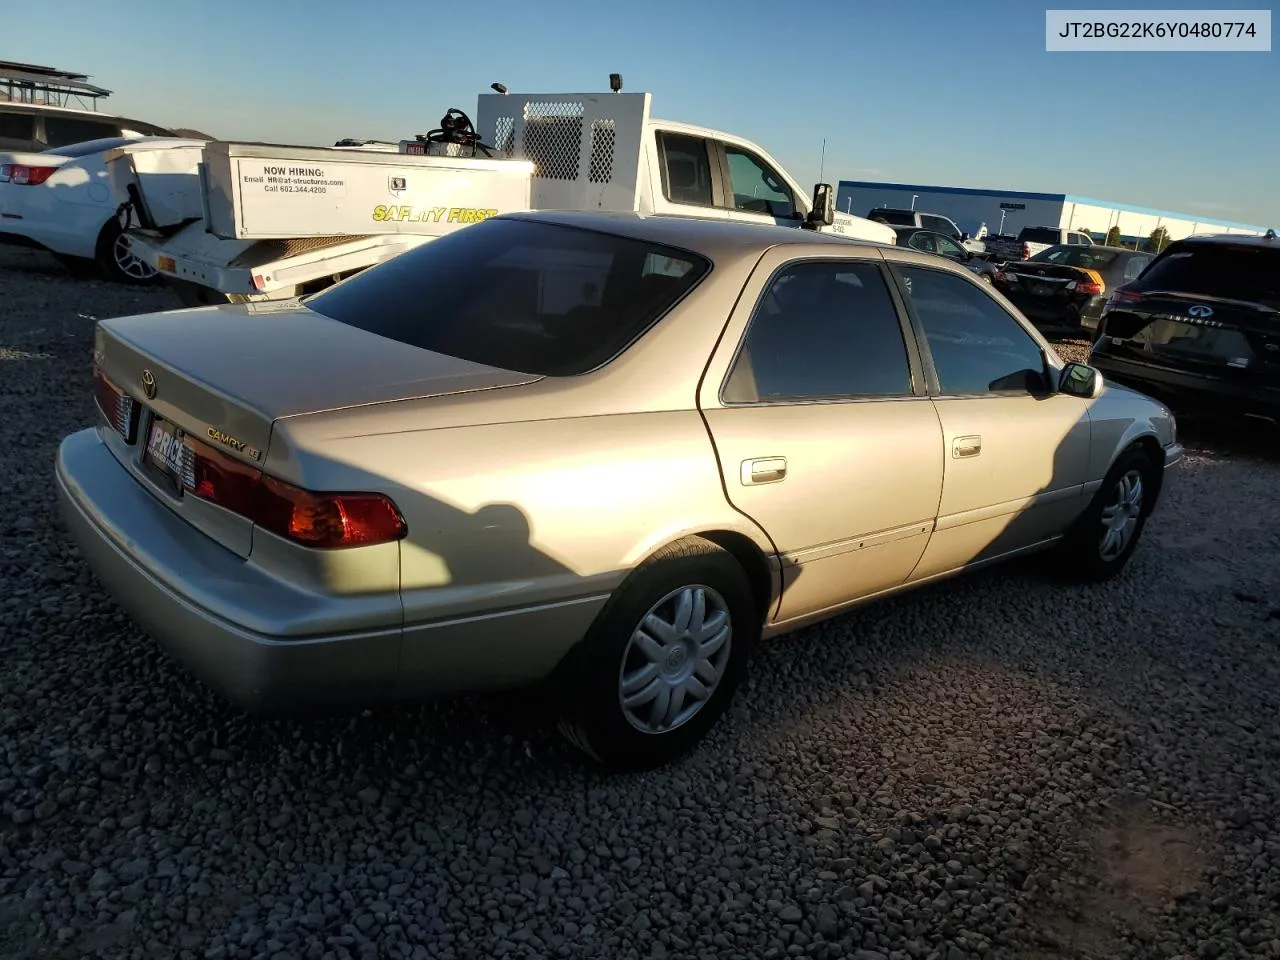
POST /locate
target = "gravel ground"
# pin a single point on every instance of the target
(997, 767)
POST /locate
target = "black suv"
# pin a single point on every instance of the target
(1201, 324)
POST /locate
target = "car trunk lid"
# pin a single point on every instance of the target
(223, 375)
(1212, 336)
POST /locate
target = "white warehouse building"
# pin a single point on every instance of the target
(1008, 211)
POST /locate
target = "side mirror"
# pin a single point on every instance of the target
(964, 236)
(1080, 380)
(823, 213)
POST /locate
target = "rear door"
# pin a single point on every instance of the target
(1016, 454)
(1207, 309)
(816, 405)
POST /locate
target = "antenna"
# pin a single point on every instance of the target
(822, 163)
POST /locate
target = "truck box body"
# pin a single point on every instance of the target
(256, 191)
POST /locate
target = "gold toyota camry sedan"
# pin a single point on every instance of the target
(606, 453)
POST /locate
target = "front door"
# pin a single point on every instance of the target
(823, 429)
(1016, 453)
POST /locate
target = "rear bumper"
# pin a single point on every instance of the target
(1083, 313)
(116, 523)
(268, 645)
(1234, 396)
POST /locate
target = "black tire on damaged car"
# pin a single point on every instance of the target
(590, 687)
(1080, 556)
(116, 264)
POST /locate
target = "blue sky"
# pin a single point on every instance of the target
(916, 91)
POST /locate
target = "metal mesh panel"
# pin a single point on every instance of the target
(503, 135)
(603, 137)
(552, 138)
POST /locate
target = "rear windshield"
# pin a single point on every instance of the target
(1251, 274)
(1086, 257)
(1040, 235)
(903, 218)
(533, 297)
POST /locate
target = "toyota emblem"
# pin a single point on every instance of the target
(148, 384)
(1201, 311)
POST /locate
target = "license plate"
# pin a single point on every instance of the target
(416, 148)
(1042, 289)
(166, 453)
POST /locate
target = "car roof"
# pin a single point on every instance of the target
(1271, 242)
(709, 237)
(13, 106)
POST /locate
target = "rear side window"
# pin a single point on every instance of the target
(17, 126)
(686, 169)
(63, 131)
(1251, 274)
(1040, 235)
(534, 297)
(822, 330)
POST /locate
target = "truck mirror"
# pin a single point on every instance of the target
(823, 213)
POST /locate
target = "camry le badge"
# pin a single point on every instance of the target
(148, 384)
(1200, 311)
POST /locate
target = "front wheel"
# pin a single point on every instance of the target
(116, 258)
(1107, 533)
(660, 664)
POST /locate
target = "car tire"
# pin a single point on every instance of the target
(686, 583)
(1090, 552)
(116, 263)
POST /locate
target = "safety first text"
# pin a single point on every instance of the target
(383, 213)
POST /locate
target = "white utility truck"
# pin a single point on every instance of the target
(268, 222)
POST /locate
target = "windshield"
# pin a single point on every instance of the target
(1085, 257)
(533, 297)
(900, 217)
(1251, 274)
(93, 146)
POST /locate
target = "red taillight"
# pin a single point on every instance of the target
(1089, 287)
(1026, 252)
(324, 521)
(23, 175)
(117, 407)
(1123, 297)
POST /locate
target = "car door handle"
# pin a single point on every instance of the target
(764, 470)
(962, 447)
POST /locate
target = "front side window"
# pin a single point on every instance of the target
(977, 347)
(686, 169)
(757, 187)
(900, 218)
(949, 248)
(519, 295)
(822, 330)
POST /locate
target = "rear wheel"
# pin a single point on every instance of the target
(1106, 534)
(660, 664)
(116, 259)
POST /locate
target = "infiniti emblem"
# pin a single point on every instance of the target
(148, 384)
(1200, 311)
